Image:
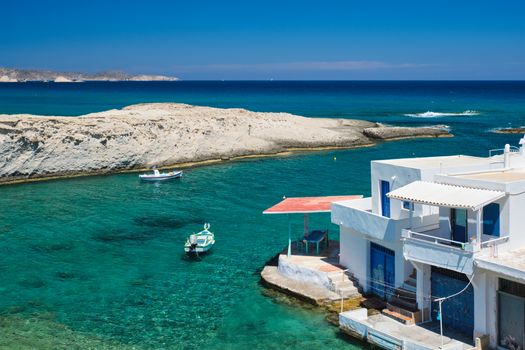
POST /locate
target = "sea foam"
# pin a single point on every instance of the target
(431, 114)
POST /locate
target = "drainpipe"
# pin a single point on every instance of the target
(305, 221)
(289, 236)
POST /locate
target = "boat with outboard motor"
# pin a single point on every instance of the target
(158, 176)
(200, 242)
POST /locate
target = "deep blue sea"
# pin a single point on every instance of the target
(98, 260)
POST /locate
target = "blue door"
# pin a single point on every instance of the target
(458, 311)
(491, 219)
(382, 270)
(385, 201)
(459, 224)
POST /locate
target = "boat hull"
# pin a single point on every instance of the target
(197, 250)
(155, 178)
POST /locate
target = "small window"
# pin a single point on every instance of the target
(406, 205)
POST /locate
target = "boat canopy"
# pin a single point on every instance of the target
(445, 195)
(306, 205)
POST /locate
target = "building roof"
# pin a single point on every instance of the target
(437, 162)
(510, 264)
(443, 195)
(296, 205)
(501, 176)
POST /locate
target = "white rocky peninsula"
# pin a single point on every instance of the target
(166, 134)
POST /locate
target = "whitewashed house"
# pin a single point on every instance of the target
(443, 227)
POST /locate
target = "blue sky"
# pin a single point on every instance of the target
(245, 39)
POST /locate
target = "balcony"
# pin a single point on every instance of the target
(358, 216)
(432, 249)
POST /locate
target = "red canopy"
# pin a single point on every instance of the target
(297, 205)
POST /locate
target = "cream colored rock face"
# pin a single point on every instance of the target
(160, 134)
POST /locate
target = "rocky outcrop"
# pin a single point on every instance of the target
(520, 130)
(165, 134)
(384, 132)
(22, 75)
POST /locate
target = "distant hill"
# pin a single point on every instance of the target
(8, 75)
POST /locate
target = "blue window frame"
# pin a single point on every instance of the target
(406, 205)
(385, 201)
(491, 219)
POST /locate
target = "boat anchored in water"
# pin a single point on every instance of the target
(200, 242)
(158, 176)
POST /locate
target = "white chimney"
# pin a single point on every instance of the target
(506, 157)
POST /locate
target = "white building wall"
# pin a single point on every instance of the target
(516, 222)
(355, 254)
(397, 177)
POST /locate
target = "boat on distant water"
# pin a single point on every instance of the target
(158, 176)
(200, 242)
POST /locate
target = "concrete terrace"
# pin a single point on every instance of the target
(387, 333)
(315, 278)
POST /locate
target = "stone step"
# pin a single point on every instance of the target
(336, 274)
(347, 291)
(338, 281)
(413, 315)
(348, 281)
(398, 317)
(409, 285)
(405, 293)
(340, 284)
(406, 304)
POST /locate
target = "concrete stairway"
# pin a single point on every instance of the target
(402, 305)
(343, 284)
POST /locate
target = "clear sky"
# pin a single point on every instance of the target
(251, 39)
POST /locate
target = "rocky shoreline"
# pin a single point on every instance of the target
(171, 134)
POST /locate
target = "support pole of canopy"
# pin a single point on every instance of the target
(289, 236)
(411, 215)
(305, 219)
(478, 226)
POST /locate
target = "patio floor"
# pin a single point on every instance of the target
(390, 334)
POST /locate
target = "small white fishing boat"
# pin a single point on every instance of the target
(158, 176)
(200, 242)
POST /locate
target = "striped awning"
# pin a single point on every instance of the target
(444, 195)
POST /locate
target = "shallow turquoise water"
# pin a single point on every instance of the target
(103, 254)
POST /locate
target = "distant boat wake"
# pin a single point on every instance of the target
(431, 114)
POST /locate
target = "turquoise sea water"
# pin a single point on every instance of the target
(103, 255)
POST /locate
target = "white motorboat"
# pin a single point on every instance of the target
(200, 242)
(158, 176)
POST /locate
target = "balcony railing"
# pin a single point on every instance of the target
(446, 253)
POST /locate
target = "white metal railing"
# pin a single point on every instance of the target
(494, 242)
(513, 149)
(466, 246)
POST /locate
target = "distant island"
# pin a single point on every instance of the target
(8, 75)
